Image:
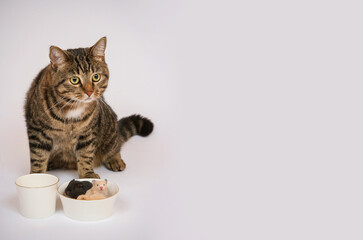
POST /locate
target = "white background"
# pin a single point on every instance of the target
(257, 108)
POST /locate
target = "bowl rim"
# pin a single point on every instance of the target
(87, 179)
(38, 174)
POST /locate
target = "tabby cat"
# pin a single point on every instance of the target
(69, 123)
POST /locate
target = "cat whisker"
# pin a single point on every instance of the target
(99, 107)
(65, 105)
(64, 122)
(78, 103)
(109, 109)
(55, 104)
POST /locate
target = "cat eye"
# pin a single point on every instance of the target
(96, 77)
(74, 80)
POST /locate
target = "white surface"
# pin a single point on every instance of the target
(257, 112)
(36, 195)
(89, 210)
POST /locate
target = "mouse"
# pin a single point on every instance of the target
(98, 191)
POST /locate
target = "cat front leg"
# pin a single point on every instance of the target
(40, 146)
(85, 151)
(38, 160)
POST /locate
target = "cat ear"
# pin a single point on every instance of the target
(106, 180)
(57, 56)
(93, 181)
(98, 50)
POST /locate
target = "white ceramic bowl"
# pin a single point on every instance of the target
(37, 194)
(88, 210)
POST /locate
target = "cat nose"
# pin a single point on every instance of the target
(89, 93)
(101, 188)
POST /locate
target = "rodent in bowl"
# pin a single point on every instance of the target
(98, 191)
(85, 190)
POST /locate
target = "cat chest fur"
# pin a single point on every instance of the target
(76, 113)
(63, 151)
(66, 141)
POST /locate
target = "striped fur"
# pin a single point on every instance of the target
(67, 127)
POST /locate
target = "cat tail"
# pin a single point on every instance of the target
(134, 125)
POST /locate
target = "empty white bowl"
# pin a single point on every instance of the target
(37, 194)
(88, 210)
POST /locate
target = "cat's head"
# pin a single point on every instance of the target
(100, 185)
(79, 74)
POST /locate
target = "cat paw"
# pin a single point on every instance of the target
(91, 175)
(115, 164)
